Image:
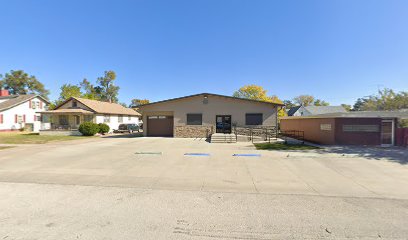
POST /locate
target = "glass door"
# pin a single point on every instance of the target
(223, 124)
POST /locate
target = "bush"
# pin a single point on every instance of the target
(403, 123)
(103, 128)
(88, 128)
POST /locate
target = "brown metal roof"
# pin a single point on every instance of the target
(15, 100)
(211, 94)
(103, 107)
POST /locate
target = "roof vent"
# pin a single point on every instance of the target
(205, 100)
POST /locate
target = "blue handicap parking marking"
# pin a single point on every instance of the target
(246, 155)
(196, 154)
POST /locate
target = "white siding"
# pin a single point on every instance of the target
(22, 109)
(302, 111)
(114, 123)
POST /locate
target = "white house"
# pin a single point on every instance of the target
(70, 114)
(21, 111)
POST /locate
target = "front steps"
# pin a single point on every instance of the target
(223, 138)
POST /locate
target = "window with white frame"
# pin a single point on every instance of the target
(120, 119)
(129, 118)
(88, 118)
(20, 118)
(35, 104)
(106, 119)
(325, 127)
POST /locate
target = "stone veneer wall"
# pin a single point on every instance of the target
(259, 131)
(193, 131)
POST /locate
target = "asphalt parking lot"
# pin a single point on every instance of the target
(164, 188)
(188, 164)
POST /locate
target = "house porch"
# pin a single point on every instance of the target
(66, 119)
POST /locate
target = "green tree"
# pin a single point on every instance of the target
(403, 123)
(90, 91)
(359, 104)
(289, 104)
(105, 90)
(18, 82)
(52, 105)
(309, 100)
(137, 102)
(346, 106)
(385, 99)
(304, 100)
(108, 91)
(68, 90)
(401, 100)
(319, 102)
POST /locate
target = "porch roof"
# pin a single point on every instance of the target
(68, 111)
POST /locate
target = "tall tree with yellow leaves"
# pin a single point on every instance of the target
(255, 92)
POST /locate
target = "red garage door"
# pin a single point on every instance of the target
(160, 126)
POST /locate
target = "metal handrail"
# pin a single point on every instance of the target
(295, 134)
(267, 132)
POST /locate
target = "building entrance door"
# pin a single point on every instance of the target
(223, 124)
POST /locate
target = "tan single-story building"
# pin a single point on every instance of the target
(68, 115)
(204, 114)
(375, 128)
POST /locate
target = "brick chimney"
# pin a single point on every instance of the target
(4, 92)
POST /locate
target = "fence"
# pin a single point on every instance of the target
(294, 134)
(256, 133)
(401, 137)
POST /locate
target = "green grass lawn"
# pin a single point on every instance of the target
(283, 146)
(5, 147)
(33, 138)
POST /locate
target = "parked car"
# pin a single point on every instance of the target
(127, 127)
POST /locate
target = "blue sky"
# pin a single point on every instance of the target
(335, 50)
